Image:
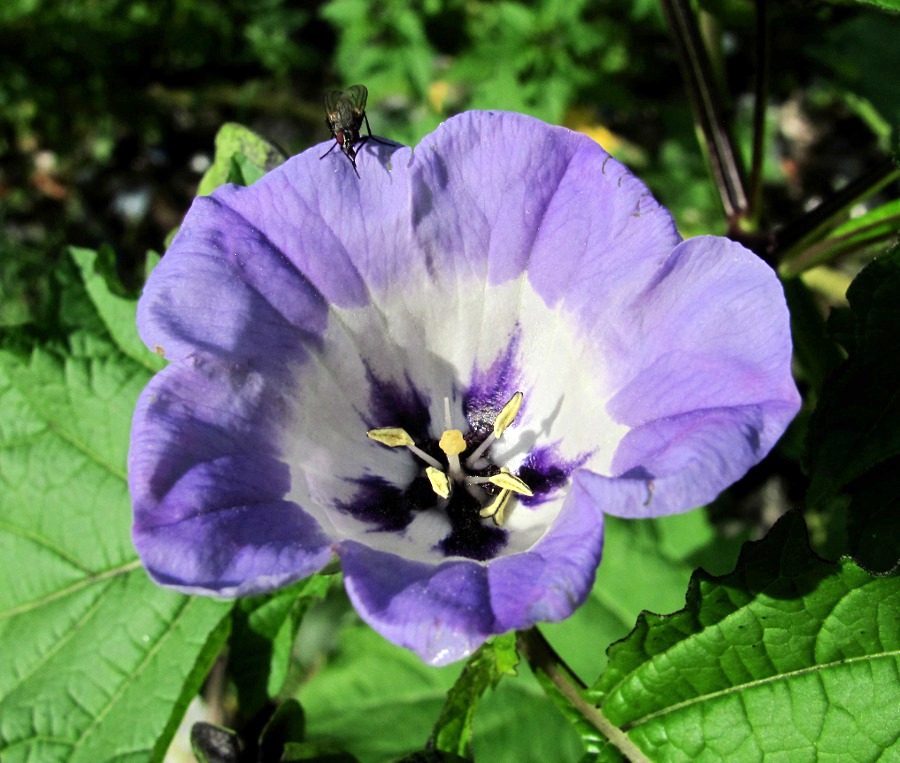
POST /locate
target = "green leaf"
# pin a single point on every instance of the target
(369, 686)
(262, 637)
(90, 644)
(380, 702)
(789, 656)
(433, 756)
(873, 532)
(665, 550)
(878, 226)
(453, 730)
(306, 752)
(518, 723)
(116, 312)
(241, 157)
(856, 426)
(892, 6)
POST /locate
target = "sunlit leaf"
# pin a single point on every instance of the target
(483, 671)
(787, 656)
(98, 663)
(241, 157)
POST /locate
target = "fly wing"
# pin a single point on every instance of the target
(356, 96)
(333, 107)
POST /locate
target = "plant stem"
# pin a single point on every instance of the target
(543, 658)
(790, 242)
(760, 100)
(709, 113)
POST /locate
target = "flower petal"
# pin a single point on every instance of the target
(710, 330)
(208, 483)
(245, 299)
(672, 465)
(346, 235)
(550, 580)
(441, 612)
(498, 193)
(444, 612)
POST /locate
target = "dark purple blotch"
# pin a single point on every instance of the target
(545, 472)
(395, 405)
(387, 507)
(470, 536)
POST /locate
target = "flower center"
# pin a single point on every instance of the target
(490, 485)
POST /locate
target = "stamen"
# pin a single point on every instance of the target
(393, 437)
(509, 481)
(453, 443)
(506, 417)
(508, 414)
(397, 437)
(479, 451)
(448, 422)
(439, 481)
(497, 508)
(503, 480)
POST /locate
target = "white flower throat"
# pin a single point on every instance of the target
(458, 474)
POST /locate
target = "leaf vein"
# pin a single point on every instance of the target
(812, 669)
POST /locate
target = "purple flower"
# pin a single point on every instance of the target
(516, 324)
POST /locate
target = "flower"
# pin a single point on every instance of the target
(505, 288)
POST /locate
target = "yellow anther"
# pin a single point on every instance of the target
(508, 414)
(393, 437)
(439, 481)
(509, 481)
(452, 442)
(497, 508)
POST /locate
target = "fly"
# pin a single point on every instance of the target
(345, 113)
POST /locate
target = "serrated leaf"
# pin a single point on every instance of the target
(90, 644)
(787, 656)
(116, 312)
(453, 730)
(240, 150)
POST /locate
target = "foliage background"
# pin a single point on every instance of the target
(108, 115)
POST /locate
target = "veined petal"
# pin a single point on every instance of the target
(553, 578)
(441, 612)
(710, 330)
(208, 483)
